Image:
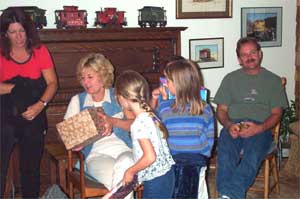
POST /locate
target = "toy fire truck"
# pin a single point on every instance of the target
(70, 17)
(110, 17)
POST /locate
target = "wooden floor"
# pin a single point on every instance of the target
(289, 187)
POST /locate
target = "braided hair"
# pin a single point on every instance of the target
(133, 86)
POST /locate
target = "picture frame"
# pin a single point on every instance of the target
(207, 52)
(189, 9)
(263, 23)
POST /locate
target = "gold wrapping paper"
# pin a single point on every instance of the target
(81, 129)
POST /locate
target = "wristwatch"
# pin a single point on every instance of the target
(43, 102)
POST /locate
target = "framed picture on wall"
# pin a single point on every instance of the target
(187, 9)
(263, 23)
(207, 52)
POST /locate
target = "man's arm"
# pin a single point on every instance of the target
(223, 117)
(269, 123)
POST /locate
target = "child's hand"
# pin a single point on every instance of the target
(154, 99)
(163, 92)
(128, 177)
(155, 93)
(106, 123)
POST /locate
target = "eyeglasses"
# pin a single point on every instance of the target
(251, 53)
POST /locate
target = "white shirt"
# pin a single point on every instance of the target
(143, 127)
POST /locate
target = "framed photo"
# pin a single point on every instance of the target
(187, 9)
(263, 23)
(208, 52)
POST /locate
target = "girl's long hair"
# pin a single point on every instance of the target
(187, 81)
(133, 86)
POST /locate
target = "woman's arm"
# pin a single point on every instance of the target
(51, 81)
(5, 88)
(149, 156)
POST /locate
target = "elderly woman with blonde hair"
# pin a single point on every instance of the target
(108, 158)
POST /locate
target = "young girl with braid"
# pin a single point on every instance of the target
(153, 161)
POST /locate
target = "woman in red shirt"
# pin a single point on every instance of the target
(27, 83)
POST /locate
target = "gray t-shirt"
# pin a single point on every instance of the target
(251, 96)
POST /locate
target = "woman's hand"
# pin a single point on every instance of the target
(106, 123)
(77, 148)
(33, 110)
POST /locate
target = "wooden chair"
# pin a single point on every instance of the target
(78, 179)
(84, 184)
(270, 166)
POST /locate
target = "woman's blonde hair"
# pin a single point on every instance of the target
(187, 81)
(100, 64)
(133, 86)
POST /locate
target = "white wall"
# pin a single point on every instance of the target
(280, 60)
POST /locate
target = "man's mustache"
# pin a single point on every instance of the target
(250, 61)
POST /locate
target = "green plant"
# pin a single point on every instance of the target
(289, 116)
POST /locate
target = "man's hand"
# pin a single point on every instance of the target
(234, 130)
(252, 129)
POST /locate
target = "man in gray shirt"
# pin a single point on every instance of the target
(250, 103)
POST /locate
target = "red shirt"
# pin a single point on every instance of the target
(39, 60)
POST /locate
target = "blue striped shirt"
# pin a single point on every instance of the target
(188, 133)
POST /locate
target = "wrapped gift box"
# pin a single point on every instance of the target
(81, 129)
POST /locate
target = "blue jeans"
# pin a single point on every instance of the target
(160, 187)
(235, 175)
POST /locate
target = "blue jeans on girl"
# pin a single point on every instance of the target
(160, 187)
